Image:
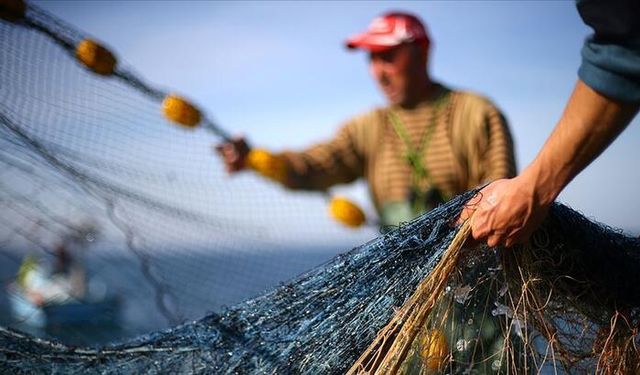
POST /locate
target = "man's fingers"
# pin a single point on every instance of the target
(510, 242)
(495, 239)
(479, 231)
(224, 149)
(464, 215)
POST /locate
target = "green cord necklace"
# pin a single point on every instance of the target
(414, 155)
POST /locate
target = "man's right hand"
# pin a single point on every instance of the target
(505, 212)
(234, 154)
(508, 211)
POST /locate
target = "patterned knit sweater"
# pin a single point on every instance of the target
(469, 144)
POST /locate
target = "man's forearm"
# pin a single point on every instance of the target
(590, 123)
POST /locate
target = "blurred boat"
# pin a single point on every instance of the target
(91, 310)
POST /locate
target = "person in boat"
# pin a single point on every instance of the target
(62, 282)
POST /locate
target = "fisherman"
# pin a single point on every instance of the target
(426, 145)
(604, 101)
(61, 282)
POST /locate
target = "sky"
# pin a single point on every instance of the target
(278, 72)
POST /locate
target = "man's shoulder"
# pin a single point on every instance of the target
(375, 115)
(471, 111)
(473, 99)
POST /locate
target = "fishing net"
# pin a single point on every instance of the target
(87, 160)
(90, 162)
(553, 306)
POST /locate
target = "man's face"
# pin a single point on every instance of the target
(397, 72)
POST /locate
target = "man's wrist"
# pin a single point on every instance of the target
(541, 185)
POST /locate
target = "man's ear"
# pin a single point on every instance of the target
(422, 52)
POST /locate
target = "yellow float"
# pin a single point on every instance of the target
(434, 350)
(180, 111)
(267, 164)
(95, 57)
(346, 212)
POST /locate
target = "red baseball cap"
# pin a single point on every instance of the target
(389, 30)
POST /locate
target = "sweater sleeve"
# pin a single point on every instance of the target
(611, 56)
(339, 160)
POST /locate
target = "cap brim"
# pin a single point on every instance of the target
(372, 42)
